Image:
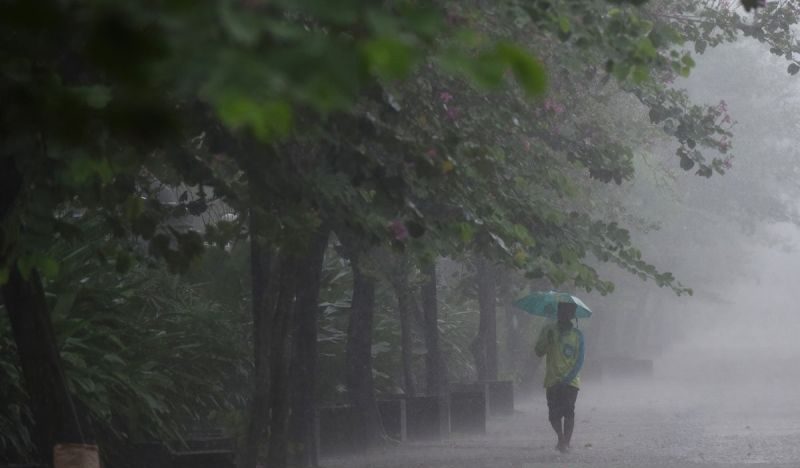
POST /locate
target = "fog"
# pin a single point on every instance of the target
(748, 333)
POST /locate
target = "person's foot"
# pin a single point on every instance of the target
(565, 448)
(561, 447)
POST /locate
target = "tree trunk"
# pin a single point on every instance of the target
(434, 364)
(512, 321)
(513, 340)
(279, 364)
(260, 266)
(404, 310)
(406, 343)
(304, 359)
(484, 347)
(358, 363)
(54, 414)
(435, 370)
(53, 411)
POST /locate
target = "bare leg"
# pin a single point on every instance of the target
(556, 423)
(569, 425)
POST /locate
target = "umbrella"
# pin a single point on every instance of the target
(545, 304)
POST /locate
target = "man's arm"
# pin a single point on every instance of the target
(544, 341)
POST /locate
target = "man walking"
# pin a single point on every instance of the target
(563, 345)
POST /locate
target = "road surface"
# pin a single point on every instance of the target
(655, 424)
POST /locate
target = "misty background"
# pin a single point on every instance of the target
(733, 239)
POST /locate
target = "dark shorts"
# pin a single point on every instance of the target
(561, 401)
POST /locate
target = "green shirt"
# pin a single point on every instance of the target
(565, 351)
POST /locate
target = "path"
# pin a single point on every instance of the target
(653, 424)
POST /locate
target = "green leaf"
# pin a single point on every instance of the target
(700, 46)
(64, 303)
(114, 359)
(563, 24)
(705, 171)
(389, 57)
(80, 169)
(466, 232)
(133, 207)
(640, 74)
(621, 71)
(645, 49)
(95, 96)
(793, 69)
(83, 167)
(421, 17)
(48, 266)
(686, 163)
(486, 70)
(266, 119)
(242, 28)
(529, 72)
(45, 264)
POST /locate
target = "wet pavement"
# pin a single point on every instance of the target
(656, 424)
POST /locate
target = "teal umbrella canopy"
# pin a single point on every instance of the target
(545, 304)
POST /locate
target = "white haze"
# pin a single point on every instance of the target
(750, 335)
(726, 361)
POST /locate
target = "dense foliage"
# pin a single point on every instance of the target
(142, 140)
(147, 354)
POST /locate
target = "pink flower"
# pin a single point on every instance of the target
(398, 230)
(553, 106)
(445, 97)
(431, 153)
(452, 113)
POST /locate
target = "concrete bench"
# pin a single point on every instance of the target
(24, 465)
(394, 417)
(220, 458)
(469, 408)
(500, 395)
(338, 430)
(427, 417)
(208, 452)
